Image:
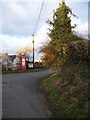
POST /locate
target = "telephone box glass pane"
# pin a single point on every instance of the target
(23, 62)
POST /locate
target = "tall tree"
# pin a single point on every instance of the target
(60, 31)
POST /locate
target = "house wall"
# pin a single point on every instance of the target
(16, 63)
(6, 62)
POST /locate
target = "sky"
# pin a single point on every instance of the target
(18, 19)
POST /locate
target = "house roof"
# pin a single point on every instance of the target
(12, 57)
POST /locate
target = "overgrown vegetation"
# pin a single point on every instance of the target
(67, 90)
(61, 37)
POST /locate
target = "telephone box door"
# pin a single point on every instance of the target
(22, 62)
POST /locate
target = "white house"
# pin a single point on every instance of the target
(16, 63)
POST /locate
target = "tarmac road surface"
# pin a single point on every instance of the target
(20, 97)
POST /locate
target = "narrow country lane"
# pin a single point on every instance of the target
(20, 97)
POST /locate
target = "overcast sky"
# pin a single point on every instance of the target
(18, 19)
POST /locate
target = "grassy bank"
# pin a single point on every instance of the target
(67, 90)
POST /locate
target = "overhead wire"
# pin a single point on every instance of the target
(39, 16)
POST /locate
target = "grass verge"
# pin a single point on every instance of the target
(20, 71)
(67, 91)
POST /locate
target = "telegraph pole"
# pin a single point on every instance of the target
(33, 47)
(35, 29)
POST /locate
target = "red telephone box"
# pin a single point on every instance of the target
(23, 62)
